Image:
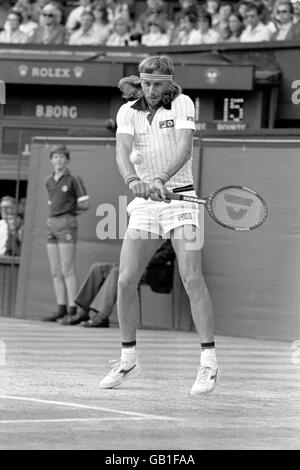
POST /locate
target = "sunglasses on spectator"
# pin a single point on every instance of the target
(49, 15)
(282, 11)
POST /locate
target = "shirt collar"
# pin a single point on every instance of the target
(141, 105)
(65, 173)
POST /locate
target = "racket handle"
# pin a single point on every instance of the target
(177, 197)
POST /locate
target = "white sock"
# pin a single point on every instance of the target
(208, 358)
(128, 355)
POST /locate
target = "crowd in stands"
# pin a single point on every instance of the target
(115, 22)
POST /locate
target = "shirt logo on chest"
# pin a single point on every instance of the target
(64, 188)
(167, 123)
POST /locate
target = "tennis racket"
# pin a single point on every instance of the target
(235, 207)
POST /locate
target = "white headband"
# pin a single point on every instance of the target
(155, 77)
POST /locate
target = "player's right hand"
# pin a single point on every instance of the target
(140, 189)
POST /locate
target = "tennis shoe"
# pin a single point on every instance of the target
(120, 372)
(206, 380)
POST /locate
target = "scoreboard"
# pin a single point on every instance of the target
(231, 111)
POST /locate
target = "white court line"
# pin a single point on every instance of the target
(87, 407)
(66, 420)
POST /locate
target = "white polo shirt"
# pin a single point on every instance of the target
(157, 141)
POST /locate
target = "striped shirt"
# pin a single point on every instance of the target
(156, 142)
(65, 193)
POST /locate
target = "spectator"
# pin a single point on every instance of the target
(50, 31)
(296, 6)
(101, 24)
(96, 296)
(74, 18)
(207, 34)
(11, 228)
(189, 33)
(118, 8)
(25, 8)
(255, 30)
(186, 6)
(287, 29)
(236, 27)
(67, 198)
(12, 33)
(5, 6)
(87, 34)
(22, 207)
(156, 35)
(212, 7)
(157, 8)
(225, 11)
(242, 8)
(8, 206)
(120, 36)
(37, 9)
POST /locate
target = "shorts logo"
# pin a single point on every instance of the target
(64, 188)
(184, 216)
(164, 124)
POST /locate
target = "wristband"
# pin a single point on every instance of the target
(131, 178)
(163, 177)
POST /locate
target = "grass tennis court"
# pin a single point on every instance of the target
(49, 395)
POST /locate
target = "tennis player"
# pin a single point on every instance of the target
(157, 129)
(67, 198)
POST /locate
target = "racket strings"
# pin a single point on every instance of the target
(237, 208)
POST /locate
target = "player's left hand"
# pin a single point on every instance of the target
(159, 191)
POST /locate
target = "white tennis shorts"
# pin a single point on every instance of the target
(160, 218)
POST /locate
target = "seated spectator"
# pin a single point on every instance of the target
(156, 35)
(97, 294)
(186, 6)
(50, 31)
(25, 8)
(236, 27)
(11, 228)
(242, 8)
(21, 207)
(74, 18)
(212, 7)
(5, 6)
(37, 8)
(296, 17)
(207, 34)
(101, 24)
(157, 8)
(86, 34)
(12, 33)
(119, 8)
(286, 29)
(255, 30)
(189, 33)
(225, 10)
(8, 206)
(120, 35)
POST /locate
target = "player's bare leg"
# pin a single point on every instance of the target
(188, 253)
(137, 250)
